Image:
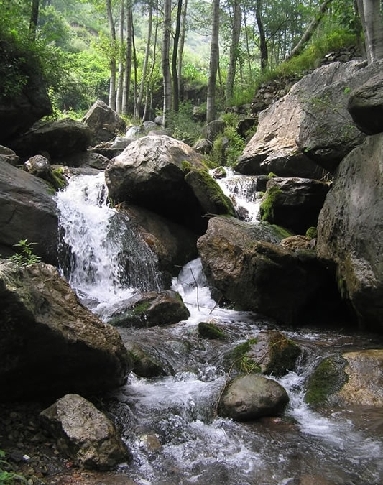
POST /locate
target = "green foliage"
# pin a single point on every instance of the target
(229, 145)
(182, 125)
(242, 361)
(6, 473)
(25, 256)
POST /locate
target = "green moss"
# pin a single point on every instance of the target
(312, 232)
(210, 331)
(59, 181)
(283, 355)
(266, 208)
(326, 380)
(281, 231)
(271, 175)
(186, 166)
(242, 361)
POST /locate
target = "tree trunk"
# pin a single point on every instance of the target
(310, 29)
(234, 46)
(182, 45)
(213, 68)
(176, 98)
(262, 37)
(145, 66)
(34, 19)
(112, 61)
(121, 61)
(371, 18)
(166, 60)
(128, 56)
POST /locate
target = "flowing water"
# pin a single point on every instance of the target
(170, 423)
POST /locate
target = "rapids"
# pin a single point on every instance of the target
(170, 423)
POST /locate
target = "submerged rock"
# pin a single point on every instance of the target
(49, 343)
(252, 396)
(84, 433)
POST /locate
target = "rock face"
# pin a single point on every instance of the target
(8, 155)
(257, 275)
(151, 172)
(310, 124)
(17, 114)
(293, 202)
(350, 230)
(28, 211)
(49, 343)
(58, 138)
(351, 379)
(253, 396)
(104, 123)
(83, 433)
(366, 105)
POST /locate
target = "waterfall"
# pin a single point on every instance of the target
(243, 192)
(101, 255)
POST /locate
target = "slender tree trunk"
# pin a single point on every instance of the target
(234, 46)
(371, 18)
(112, 61)
(176, 98)
(128, 56)
(34, 19)
(262, 37)
(149, 87)
(135, 77)
(311, 29)
(121, 70)
(213, 68)
(166, 60)
(181, 46)
(145, 66)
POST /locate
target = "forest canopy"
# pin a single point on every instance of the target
(142, 56)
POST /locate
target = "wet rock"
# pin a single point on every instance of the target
(275, 353)
(246, 269)
(49, 343)
(210, 331)
(90, 158)
(293, 202)
(103, 123)
(252, 396)
(150, 309)
(350, 231)
(203, 146)
(144, 363)
(84, 433)
(28, 211)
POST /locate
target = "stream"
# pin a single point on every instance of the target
(170, 423)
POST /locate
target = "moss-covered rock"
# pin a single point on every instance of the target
(210, 331)
(326, 380)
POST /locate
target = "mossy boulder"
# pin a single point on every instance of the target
(326, 381)
(150, 309)
(210, 331)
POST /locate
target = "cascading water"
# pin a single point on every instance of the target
(103, 258)
(170, 423)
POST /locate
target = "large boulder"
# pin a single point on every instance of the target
(254, 274)
(350, 379)
(9, 156)
(50, 344)
(28, 211)
(83, 433)
(104, 123)
(58, 138)
(310, 124)
(151, 172)
(350, 230)
(252, 396)
(293, 202)
(20, 110)
(366, 105)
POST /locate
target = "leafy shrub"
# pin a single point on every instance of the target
(26, 256)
